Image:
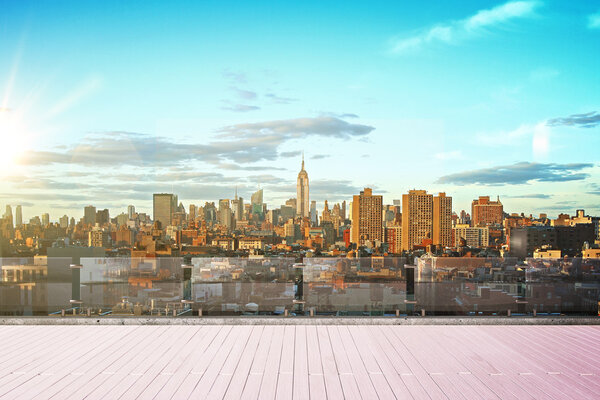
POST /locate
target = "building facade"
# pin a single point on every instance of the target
(486, 212)
(366, 217)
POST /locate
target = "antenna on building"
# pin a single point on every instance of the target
(302, 159)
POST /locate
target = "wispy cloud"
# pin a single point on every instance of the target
(594, 21)
(587, 120)
(528, 196)
(279, 99)
(320, 156)
(241, 143)
(457, 31)
(239, 107)
(519, 173)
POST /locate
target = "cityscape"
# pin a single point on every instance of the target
(300, 200)
(417, 222)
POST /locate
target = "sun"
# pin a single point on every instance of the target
(13, 139)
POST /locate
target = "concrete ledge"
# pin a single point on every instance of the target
(250, 320)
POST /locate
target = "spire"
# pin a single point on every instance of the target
(302, 160)
(236, 192)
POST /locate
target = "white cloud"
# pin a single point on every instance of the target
(594, 21)
(456, 31)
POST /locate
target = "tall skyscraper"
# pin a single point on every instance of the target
(314, 215)
(64, 221)
(485, 212)
(89, 215)
(256, 200)
(417, 218)
(302, 201)
(130, 211)
(366, 217)
(442, 220)
(164, 205)
(45, 219)
(237, 204)
(18, 216)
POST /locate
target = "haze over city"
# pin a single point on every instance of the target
(107, 103)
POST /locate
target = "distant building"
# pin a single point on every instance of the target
(18, 216)
(417, 218)
(474, 236)
(393, 238)
(164, 205)
(366, 217)
(97, 238)
(569, 239)
(302, 198)
(486, 212)
(442, 220)
(89, 215)
(130, 211)
(45, 219)
(102, 217)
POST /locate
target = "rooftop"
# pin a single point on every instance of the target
(299, 361)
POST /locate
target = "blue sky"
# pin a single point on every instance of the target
(105, 103)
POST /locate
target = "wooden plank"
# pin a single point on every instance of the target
(54, 376)
(397, 336)
(363, 380)
(199, 346)
(205, 383)
(316, 379)
(285, 379)
(301, 388)
(331, 377)
(346, 376)
(268, 383)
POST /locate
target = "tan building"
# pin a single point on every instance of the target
(417, 218)
(393, 238)
(547, 253)
(97, 238)
(302, 197)
(442, 220)
(486, 212)
(475, 236)
(366, 217)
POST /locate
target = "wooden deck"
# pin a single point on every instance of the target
(299, 362)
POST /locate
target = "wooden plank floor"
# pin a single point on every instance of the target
(299, 362)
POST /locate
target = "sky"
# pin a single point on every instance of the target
(105, 103)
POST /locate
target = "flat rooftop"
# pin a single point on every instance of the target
(299, 362)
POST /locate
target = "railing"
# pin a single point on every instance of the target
(374, 286)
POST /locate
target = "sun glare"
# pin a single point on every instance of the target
(13, 135)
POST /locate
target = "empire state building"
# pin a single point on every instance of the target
(302, 203)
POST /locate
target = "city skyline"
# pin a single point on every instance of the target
(488, 98)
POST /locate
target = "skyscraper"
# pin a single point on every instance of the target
(130, 211)
(18, 216)
(256, 201)
(366, 217)
(302, 202)
(89, 215)
(164, 205)
(417, 218)
(442, 220)
(237, 204)
(45, 219)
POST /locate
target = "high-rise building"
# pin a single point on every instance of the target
(256, 201)
(89, 215)
(64, 221)
(130, 211)
(102, 217)
(366, 217)
(302, 205)
(485, 212)
(314, 214)
(45, 219)
(237, 205)
(164, 205)
(442, 220)
(417, 218)
(19, 216)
